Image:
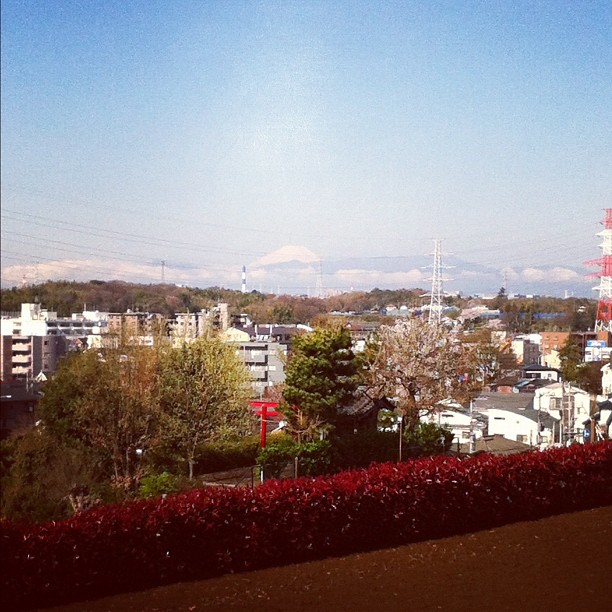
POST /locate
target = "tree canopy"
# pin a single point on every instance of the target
(419, 365)
(108, 401)
(320, 379)
(204, 396)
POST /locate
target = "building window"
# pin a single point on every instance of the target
(520, 438)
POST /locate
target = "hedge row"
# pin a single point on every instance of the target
(211, 531)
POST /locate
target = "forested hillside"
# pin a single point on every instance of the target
(66, 297)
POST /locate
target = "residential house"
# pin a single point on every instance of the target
(495, 444)
(570, 405)
(459, 421)
(515, 417)
(602, 426)
(529, 426)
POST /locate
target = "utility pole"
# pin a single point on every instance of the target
(567, 413)
(472, 434)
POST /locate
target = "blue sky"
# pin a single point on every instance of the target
(344, 136)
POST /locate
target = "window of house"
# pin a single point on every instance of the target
(520, 438)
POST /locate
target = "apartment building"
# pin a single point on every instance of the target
(34, 340)
(27, 357)
(192, 325)
(265, 362)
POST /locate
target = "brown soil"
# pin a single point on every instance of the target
(562, 563)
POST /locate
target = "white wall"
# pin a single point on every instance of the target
(514, 426)
(548, 397)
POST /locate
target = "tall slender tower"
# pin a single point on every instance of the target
(437, 292)
(319, 291)
(603, 319)
(243, 279)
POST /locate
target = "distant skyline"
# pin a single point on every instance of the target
(309, 141)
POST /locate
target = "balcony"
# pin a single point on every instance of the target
(21, 347)
(21, 371)
(255, 358)
(22, 360)
(259, 374)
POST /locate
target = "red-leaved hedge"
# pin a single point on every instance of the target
(210, 531)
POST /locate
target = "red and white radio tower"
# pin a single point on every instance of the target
(603, 321)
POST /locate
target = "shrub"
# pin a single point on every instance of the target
(227, 455)
(210, 531)
(211, 457)
(363, 448)
(315, 458)
(277, 454)
(158, 484)
(427, 439)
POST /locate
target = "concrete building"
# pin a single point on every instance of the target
(527, 348)
(265, 361)
(26, 357)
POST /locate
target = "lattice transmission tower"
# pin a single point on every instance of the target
(437, 286)
(603, 319)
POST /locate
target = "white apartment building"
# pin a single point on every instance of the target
(33, 342)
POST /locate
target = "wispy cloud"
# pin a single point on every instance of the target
(295, 269)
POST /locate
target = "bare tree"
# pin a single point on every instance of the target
(419, 365)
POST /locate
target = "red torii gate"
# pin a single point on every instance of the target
(264, 409)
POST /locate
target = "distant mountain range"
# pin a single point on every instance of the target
(298, 270)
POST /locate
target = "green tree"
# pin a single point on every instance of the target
(108, 401)
(500, 299)
(204, 396)
(320, 379)
(570, 357)
(48, 480)
(589, 377)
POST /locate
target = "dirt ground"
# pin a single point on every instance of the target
(562, 563)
